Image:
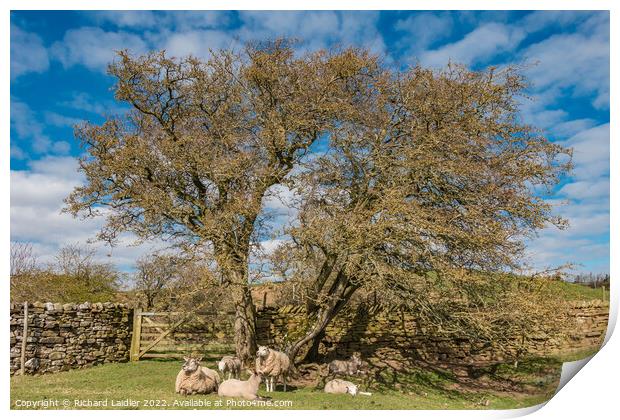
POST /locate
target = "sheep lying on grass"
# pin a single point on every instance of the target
(345, 367)
(241, 389)
(340, 386)
(272, 364)
(230, 365)
(195, 379)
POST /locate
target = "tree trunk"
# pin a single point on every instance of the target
(324, 317)
(339, 295)
(245, 324)
(313, 352)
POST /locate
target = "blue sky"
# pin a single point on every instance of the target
(58, 61)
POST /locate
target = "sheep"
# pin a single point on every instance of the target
(230, 365)
(241, 389)
(195, 379)
(339, 386)
(345, 367)
(272, 364)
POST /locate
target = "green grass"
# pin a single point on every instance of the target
(574, 291)
(153, 382)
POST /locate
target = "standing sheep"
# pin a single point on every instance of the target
(247, 390)
(230, 365)
(339, 386)
(272, 364)
(194, 379)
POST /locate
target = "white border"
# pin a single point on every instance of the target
(592, 395)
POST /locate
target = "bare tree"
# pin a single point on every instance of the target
(429, 188)
(23, 261)
(155, 273)
(204, 142)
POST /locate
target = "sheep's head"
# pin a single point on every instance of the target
(263, 351)
(356, 358)
(352, 390)
(191, 364)
(255, 375)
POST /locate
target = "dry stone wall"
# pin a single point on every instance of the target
(393, 336)
(63, 337)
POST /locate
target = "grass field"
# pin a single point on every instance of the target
(574, 291)
(150, 385)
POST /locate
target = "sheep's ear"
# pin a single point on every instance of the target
(199, 359)
(186, 358)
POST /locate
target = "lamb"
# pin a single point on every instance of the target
(241, 389)
(345, 367)
(230, 365)
(195, 379)
(272, 364)
(339, 386)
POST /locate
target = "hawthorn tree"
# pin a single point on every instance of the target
(203, 143)
(431, 187)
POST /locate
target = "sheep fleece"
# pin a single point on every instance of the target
(202, 381)
(275, 364)
(337, 386)
(237, 388)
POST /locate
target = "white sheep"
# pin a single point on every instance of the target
(195, 379)
(340, 386)
(272, 364)
(230, 365)
(236, 388)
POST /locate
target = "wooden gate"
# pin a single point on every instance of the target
(172, 335)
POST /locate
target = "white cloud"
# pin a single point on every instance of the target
(196, 19)
(94, 48)
(197, 43)
(587, 210)
(564, 60)
(315, 29)
(28, 54)
(544, 19)
(421, 30)
(481, 44)
(125, 18)
(586, 189)
(572, 127)
(553, 251)
(83, 102)
(36, 201)
(58, 120)
(28, 128)
(590, 152)
(179, 19)
(269, 246)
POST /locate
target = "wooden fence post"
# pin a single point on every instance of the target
(134, 351)
(22, 360)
